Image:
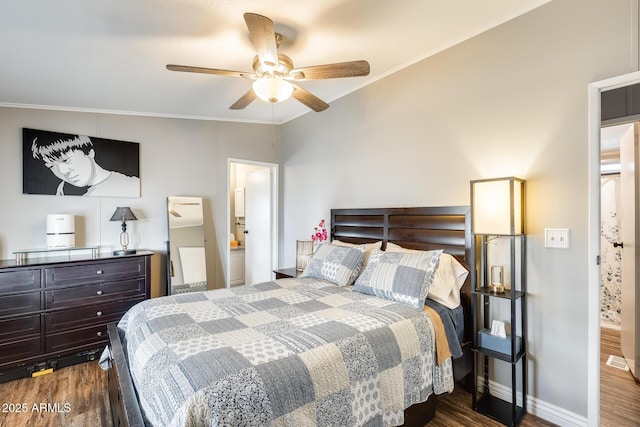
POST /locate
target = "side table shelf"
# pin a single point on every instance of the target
(512, 350)
(500, 410)
(505, 295)
(283, 273)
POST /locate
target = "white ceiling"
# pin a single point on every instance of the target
(110, 55)
(610, 138)
(185, 211)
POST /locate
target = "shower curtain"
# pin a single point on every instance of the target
(610, 266)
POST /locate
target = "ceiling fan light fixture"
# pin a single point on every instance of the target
(272, 89)
(274, 76)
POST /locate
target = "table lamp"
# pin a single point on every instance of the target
(123, 214)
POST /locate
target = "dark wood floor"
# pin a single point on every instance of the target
(83, 388)
(74, 396)
(454, 410)
(619, 393)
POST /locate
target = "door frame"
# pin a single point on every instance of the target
(274, 212)
(593, 250)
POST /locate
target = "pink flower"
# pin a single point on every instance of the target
(320, 232)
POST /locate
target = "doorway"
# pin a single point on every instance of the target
(611, 256)
(619, 393)
(252, 201)
(594, 245)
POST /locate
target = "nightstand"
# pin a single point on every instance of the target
(283, 273)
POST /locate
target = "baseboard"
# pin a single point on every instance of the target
(537, 407)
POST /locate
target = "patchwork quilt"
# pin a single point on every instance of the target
(293, 352)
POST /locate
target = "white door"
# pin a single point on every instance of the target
(258, 231)
(629, 230)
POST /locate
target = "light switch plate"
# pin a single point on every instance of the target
(557, 238)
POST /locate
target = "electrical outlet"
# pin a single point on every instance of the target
(556, 238)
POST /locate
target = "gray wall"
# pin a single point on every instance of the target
(512, 101)
(177, 157)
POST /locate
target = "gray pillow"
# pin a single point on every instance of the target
(337, 264)
(400, 277)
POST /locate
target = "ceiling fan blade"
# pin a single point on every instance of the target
(332, 71)
(308, 99)
(244, 100)
(203, 70)
(263, 35)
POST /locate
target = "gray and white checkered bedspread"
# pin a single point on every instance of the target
(293, 352)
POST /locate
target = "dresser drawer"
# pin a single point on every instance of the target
(94, 294)
(77, 340)
(19, 280)
(94, 273)
(14, 352)
(19, 304)
(19, 327)
(107, 312)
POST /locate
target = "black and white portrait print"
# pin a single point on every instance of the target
(77, 165)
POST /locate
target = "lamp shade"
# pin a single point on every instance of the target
(272, 89)
(304, 252)
(123, 214)
(497, 206)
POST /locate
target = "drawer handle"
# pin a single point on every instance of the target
(99, 314)
(99, 293)
(99, 333)
(99, 272)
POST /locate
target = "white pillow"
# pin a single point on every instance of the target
(366, 248)
(448, 279)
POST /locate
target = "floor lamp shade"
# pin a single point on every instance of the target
(304, 252)
(497, 206)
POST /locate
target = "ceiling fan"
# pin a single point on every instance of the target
(175, 213)
(274, 76)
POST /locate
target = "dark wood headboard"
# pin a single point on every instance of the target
(423, 228)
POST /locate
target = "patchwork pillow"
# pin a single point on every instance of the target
(400, 277)
(366, 248)
(338, 264)
(448, 280)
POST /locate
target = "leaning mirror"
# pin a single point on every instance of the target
(186, 260)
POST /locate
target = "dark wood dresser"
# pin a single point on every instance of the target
(54, 311)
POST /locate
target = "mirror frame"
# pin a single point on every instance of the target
(186, 243)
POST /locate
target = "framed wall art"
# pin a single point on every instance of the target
(65, 164)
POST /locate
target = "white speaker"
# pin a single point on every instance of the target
(61, 231)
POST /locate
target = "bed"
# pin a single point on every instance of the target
(298, 339)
